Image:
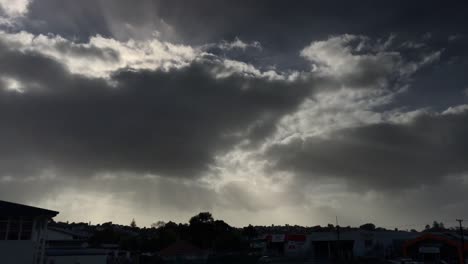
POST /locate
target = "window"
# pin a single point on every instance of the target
(3, 227)
(26, 229)
(16, 228)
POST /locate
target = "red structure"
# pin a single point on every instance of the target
(432, 247)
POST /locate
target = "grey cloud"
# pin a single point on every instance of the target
(244, 196)
(173, 123)
(168, 123)
(382, 156)
(295, 24)
(117, 19)
(90, 52)
(208, 20)
(146, 199)
(156, 193)
(23, 192)
(360, 62)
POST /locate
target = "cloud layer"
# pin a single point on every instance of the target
(162, 122)
(263, 112)
(384, 155)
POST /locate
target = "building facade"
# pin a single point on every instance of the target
(23, 233)
(437, 247)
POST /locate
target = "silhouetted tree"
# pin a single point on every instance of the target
(201, 218)
(167, 236)
(158, 224)
(437, 226)
(368, 227)
(202, 230)
(133, 224)
(171, 225)
(106, 235)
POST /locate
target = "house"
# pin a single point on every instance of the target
(70, 246)
(295, 245)
(347, 244)
(23, 231)
(76, 256)
(434, 247)
(290, 245)
(358, 243)
(58, 237)
(258, 246)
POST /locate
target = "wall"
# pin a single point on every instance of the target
(56, 235)
(16, 251)
(379, 243)
(93, 259)
(382, 242)
(295, 248)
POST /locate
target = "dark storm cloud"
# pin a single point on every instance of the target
(117, 19)
(441, 86)
(382, 156)
(169, 123)
(25, 191)
(214, 19)
(283, 28)
(75, 122)
(161, 192)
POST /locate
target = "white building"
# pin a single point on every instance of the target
(23, 233)
(348, 244)
(66, 246)
(77, 256)
(358, 243)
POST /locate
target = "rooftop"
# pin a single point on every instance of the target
(15, 209)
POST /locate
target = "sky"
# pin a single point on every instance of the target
(260, 112)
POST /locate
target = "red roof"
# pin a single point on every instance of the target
(451, 241)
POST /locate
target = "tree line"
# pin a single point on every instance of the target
(202, 231)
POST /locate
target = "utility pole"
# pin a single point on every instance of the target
(337, 229)
(338, 243)
(462, 240)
